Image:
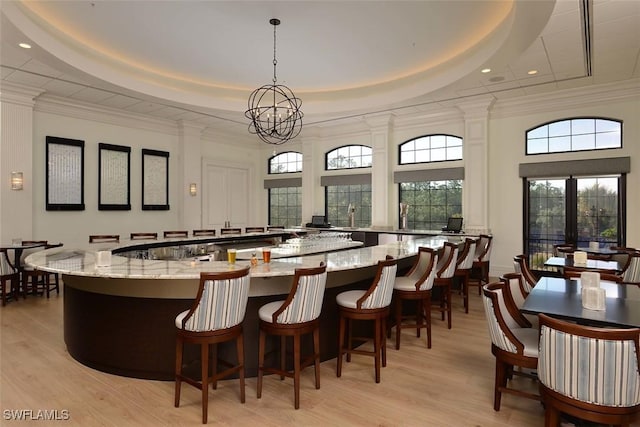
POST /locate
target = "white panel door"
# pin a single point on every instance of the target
(225, 196)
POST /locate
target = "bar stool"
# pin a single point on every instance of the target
(445, 270)
(372, 304)
(463, 269)
(204, 233)
(47, 280)
(176, 233)
(224, 231)
(104, 238)
(297, 315)
(31, 278)
(143, 236)
(416, 285)
(216, 316)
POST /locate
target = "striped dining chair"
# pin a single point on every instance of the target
(589, 373)
(631, 274)
(216, 316)
(371, 304)
(294, 317)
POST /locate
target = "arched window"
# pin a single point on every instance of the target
(286, 162)
(430, 148)
(577, 134)
(349, 157)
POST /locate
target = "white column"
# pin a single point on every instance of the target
(16, 155)
(382, 209)
(190, 162)
(476, 168)
(312, 192)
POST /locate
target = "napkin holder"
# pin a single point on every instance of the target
(593, 296)
(580, 258)
(594, 246)
(103, 258)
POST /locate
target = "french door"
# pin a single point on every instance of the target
(573, 210)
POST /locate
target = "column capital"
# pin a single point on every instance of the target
(19, 94)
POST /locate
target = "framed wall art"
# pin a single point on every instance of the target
(155, 180)
(114, 177)
(65, 174)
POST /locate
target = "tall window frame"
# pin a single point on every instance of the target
(431, 203)
(284, 204)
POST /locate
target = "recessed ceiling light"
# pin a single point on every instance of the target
(485, 70)
(25, 45)
(532, 72)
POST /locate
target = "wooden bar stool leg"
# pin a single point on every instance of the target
(427, 318)
(296, 370)
(349, 337)
(260, 363)
(283, 354)
(240, 351)
(316, 351)
(398, 310)
(383, 339)
(204, 354)
(419, 318)
(340, 345)
(376, 349)
(179, 345)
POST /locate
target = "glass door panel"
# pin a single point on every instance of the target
(546, 219)
(597, 211)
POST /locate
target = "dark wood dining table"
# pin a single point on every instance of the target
(591, 264)
(562, 298)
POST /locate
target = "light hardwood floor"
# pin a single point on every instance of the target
(448, 385)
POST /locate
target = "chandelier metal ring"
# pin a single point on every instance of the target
(273, 109)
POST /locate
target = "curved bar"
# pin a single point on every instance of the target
(120, 319)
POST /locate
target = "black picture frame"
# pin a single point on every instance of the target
(64, 174)
(114, 177)
(155, 180)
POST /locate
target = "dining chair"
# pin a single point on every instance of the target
(480, 269)
(371, 304)
(521, 265)
(224, 231)
(204, 233)
(515, 290)
(143, 236)
(463, 269)
(445, 270)
(254, 230)
(104, 238)
(9, 276)
(294, 317)
(175, 233)
(575, 272)
(511, 344)
(31, 277)
(215, 316)
(631, 274)
(48, 281)
(562, 249)
(416, 286)
(589, 373)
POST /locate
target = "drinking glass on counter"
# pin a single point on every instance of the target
(266, 255)
(231, 256)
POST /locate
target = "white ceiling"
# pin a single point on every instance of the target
(199, 60)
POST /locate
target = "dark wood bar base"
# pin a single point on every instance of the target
(135, 336)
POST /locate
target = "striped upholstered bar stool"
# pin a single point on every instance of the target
(589, 373)
(216, 316)
(297, 315)
(371, 304)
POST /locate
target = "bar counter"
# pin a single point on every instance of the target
(120, 319)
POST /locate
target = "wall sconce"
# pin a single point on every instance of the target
(193, 189)
(17, 181)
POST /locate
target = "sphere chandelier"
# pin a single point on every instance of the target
(274, 110)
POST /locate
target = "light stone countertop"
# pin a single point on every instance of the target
(80, 262)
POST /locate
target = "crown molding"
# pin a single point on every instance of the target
(567, 98)
(15, 93)
(87, 111)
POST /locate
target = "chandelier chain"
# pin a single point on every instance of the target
(275, 61)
